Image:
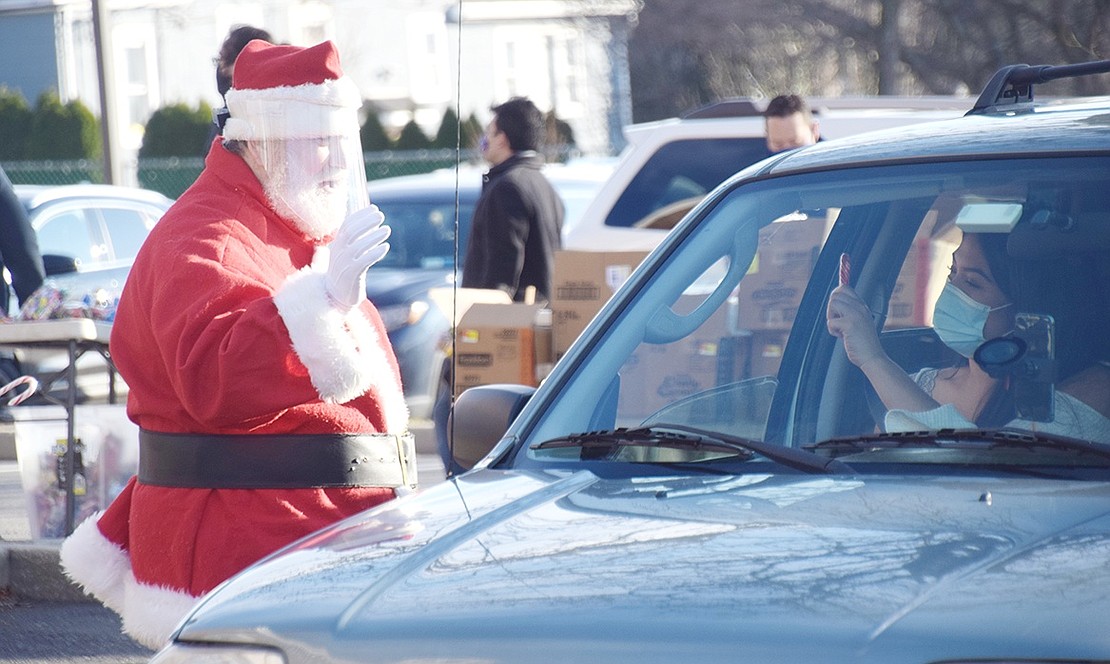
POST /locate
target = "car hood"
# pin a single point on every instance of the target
(386, 286)
(500, 566)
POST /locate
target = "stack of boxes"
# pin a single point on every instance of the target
(502, 342)
(770, 294)
(498, 341)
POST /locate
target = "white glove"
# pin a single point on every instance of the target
(360, 242)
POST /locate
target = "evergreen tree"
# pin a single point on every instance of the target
(15, 124)
(448, 134)
(472, 131)
(177, 131)
(60, 131)
(372, 133)
(412, 138)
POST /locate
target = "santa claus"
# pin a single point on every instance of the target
(267, 397)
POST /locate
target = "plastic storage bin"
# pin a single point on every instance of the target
(108, 446)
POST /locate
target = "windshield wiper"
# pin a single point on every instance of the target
(963, 439)
(680, 436)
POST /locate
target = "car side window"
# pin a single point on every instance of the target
(127, 230)
(68, 234)
(682, 170)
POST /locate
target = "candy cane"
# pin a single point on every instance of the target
(32, 386)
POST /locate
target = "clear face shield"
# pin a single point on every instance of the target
(309, 160)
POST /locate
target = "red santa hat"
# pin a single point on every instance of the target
(290, 92)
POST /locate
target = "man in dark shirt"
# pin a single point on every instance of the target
(19, 248)
(789, 124)
(518, 219)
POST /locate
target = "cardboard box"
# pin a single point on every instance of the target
(455, 302)
(583, 282)
(770, 293)
(495, 343)
(657, 375)
(919, 283)
(766, 353)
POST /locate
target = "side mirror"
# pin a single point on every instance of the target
(481, 417)
(56, 265)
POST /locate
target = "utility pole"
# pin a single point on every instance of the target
(106, 81)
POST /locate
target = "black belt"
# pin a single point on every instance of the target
(295, 461)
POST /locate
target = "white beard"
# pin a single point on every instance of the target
(315, 210)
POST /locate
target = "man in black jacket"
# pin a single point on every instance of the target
(19, 248)
(518, 219)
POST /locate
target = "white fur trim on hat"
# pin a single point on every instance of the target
(311, 110)
(342, 352)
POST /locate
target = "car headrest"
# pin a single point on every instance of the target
(1048, 234)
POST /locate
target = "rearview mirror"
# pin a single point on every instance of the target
(988, 217)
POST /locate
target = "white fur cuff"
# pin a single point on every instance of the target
(96, 564)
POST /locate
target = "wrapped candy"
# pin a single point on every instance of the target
(44, 303)
(51, 302)
(100, 305)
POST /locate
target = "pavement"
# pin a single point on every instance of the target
(29, 568)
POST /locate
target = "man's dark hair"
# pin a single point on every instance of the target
(786, 105)
(522, 123)
(236, 40)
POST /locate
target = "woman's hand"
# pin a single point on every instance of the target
(850, 320)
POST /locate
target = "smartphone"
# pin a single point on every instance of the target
(1034, 386)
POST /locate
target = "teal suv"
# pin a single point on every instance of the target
(854, 408)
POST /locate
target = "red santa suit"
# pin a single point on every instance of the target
(225, 327)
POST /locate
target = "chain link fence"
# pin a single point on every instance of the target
(173, 175)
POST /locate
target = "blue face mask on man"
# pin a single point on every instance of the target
(959, 320)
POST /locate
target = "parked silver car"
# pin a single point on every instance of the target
(88, 235)
(711, 474)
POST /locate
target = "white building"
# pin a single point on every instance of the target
(412, 59)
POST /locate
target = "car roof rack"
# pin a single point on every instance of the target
(1013, 85)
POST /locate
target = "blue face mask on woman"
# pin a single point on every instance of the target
(959, 320)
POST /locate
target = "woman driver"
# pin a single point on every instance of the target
(985, 289)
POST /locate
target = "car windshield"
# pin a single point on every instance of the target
(728, 328)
